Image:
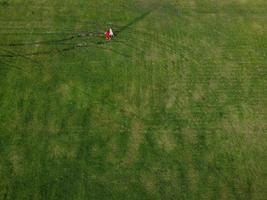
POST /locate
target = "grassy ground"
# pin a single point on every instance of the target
(173, 108)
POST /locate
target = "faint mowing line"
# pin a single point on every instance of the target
(216, 170)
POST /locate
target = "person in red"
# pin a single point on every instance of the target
(107, 35)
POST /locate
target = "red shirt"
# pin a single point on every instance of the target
(107, 35)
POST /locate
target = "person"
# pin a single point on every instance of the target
(107, 35)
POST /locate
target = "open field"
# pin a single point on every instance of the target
(174, 107)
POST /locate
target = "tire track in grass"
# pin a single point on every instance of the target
(13, 54)
(13, 66)
(134, 21)
(56, 42)
(131, 23)
(79, 35)
(53, 42)
(59, 42)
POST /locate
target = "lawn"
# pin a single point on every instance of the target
(173, 107)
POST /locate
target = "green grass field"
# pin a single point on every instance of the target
(174, 107)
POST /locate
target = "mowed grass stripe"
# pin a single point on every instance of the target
(172, 108)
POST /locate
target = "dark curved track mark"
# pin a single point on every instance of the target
(6, 65)
(55, 41)
(75, 46)
(13, 54)
(135, 21)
